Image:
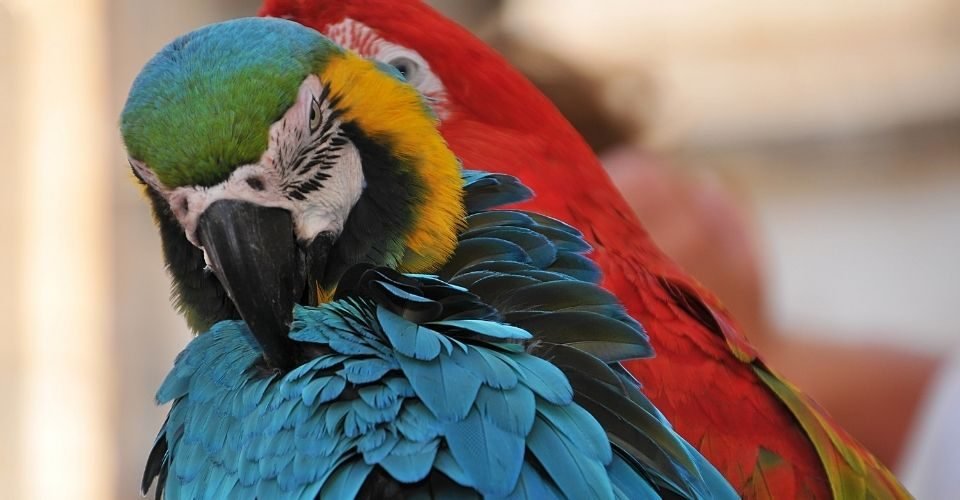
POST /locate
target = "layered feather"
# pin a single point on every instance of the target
(494, 377)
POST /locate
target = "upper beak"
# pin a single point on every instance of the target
(254, 253)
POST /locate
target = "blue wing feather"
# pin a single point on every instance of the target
(408, 338)
(488, 328)
(577, 475)
(346, 481)
(488, 454)
(410, 465)
(445, 387)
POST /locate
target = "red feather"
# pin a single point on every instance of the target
(706, 377)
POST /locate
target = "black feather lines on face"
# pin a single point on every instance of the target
(305, 161)
(375, 230)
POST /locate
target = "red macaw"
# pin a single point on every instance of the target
(765, 436)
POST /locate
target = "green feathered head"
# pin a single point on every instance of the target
(205, 103)
(277, 160)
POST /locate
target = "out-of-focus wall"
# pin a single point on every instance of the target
(60, 396)
(752, 70)
(10, 363)
(860, 237)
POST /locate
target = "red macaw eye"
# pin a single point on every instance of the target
(407, 67)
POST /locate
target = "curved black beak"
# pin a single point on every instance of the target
(254, 253)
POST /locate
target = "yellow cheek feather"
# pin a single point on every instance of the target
(390, 110)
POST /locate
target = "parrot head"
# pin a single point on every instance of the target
(275, 160)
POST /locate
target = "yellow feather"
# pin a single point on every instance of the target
(393, 111)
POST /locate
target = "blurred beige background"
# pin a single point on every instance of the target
(839, 122)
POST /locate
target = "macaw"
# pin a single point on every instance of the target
(372, 327)
(766, 437)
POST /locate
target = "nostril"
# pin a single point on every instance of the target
(255, 183)
(185, 205)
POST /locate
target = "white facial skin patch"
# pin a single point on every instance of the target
(365, 41)
(309, 169)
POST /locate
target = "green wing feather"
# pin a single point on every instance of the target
(852, 472)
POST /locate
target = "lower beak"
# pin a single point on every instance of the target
(254, 254)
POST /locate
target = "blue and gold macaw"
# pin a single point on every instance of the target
(372, 327)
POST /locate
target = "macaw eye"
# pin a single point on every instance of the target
(314, 115)
(415, 70)
(407, 67)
